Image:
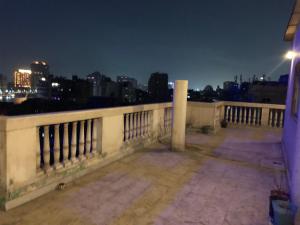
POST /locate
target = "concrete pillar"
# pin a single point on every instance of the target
(112, 134)
(179, 115)
(265, 117)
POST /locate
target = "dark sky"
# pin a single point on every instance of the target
(204, 41)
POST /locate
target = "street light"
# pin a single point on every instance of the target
(290, 55)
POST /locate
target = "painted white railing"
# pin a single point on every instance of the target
(37, 152)
(235, 113)
(254, 114)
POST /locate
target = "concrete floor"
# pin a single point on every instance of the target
(222, 179)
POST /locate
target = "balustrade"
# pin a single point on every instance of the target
(168, 120)
(57, 143)
(254, 114)
(64, 153)
(137, 125)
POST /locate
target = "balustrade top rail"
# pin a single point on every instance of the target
(243, 104)
(23, 121)
(252, 104)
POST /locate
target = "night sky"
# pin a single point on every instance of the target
(205, 42)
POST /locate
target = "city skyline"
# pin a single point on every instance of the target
(235, 78)
(138, 39)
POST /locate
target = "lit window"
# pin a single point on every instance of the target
(54, 84)
(295, 100)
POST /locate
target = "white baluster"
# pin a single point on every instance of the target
(127, 128)
(38, 153)
(81, 141)
(74, 143)
(134, 125)
(47, 166)
(131, 126)
(57, 164)
(94, 138)
(138, 121)
(254, 116)
(170, 119)
(227, 117)
(88, 139)
(66, 145)
(150, 121)
(142, 123)
(275, 117)
(146, 123)
(280, 118)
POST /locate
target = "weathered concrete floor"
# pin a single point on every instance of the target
(222, 179)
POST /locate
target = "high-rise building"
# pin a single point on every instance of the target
(103, 86)
(40, 78)
(128, 86)
(158, 87)
(97, 81)
(39, 68)
(22, 78)
(3, 84)
(123, 79)
(40, 73)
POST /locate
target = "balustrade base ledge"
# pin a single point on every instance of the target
(47, 183)
(48, 180)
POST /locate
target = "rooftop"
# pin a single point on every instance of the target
(222, 179)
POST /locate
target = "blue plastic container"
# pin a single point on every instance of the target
(284, 212)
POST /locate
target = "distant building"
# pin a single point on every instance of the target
(125, 79)
(40, 78)
(103, 86)
(268, 92)
(40, 72)
(22, 78)
(3, 83)
(284, 79)
(127, 92)
(230, 85)
(143, 87)
(97, 79)
(158, 87)
(231, 90)
(75, 89)
(128, 88)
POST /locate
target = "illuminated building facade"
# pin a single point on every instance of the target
(22, 78)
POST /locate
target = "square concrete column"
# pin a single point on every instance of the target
(179, 115)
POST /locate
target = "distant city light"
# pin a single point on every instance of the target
(43, 79)
(290, 55)
(24, 71)
(54, 84)
(171, 85)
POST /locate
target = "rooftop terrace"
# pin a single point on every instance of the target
(222, 179)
